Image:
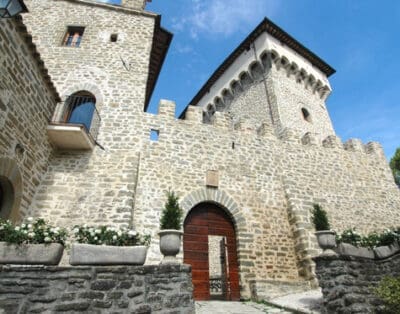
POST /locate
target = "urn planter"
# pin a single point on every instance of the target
(31, 254)
(89, 254)
(327, 241)
(170, 244)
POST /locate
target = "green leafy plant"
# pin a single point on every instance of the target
(395, 166)
(171, 216)
(320, 218)
(389, 291)
(31, 232)
(372, 240)
(105, 235)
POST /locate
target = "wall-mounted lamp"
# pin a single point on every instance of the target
(10, 8)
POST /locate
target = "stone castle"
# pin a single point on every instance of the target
(255, 146)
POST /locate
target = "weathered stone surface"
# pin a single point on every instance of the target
(96, 295)
(347, 282)
(44, 254)
(87, 254)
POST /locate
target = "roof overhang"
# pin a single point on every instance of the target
(161, 42)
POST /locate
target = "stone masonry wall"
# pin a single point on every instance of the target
(347, 282)
(267, 182)
(97, 186)
(27, 101)
(147, 289)
(291, 96)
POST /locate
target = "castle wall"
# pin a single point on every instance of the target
(272, 182)
(267, 183)
(96, 186)
(27, 101)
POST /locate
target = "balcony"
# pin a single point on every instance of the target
(75, 124)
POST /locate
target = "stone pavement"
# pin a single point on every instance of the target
(224, 307)
(306, 302)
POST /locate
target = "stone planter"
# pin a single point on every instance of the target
(31, 254)
(170, 244)
(89, 254)
(386, 251)
(351, 250)
(327, 241)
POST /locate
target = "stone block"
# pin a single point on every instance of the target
(166, 108)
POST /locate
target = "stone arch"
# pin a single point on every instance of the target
(274, 56)
(245, 79)
(218, 104)
(218, 197)
(92, 88)
(227, 98)
(256, 70)
(265, 59)
(284, 62)
(236, 87)
(11, 182)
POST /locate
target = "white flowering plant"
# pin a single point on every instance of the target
(31, 231)
(105, 235)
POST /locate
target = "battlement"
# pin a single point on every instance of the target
(223, 121)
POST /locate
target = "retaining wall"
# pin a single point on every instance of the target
(104, 289)
(348, 282)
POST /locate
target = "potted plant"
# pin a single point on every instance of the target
(104, 245)
(170, 225)
(32, 242)
(326, 238)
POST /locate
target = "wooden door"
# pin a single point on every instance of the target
(203, 220)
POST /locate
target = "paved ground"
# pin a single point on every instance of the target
(223, 307)
(306, 302)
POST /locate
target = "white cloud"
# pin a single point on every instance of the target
(222, 17)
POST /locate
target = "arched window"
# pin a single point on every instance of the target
(306, 115)
(81, 107)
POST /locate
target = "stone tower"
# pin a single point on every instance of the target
(271, 79)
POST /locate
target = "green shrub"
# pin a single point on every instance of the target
(320, 218)
(389, 291)
(171, 216)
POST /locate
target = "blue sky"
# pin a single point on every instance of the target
(358, 38)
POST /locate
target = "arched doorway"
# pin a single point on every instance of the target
(209, 245)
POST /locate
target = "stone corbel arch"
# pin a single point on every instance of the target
(11, 180)
(218, 197)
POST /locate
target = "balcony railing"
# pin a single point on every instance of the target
(75, 123)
